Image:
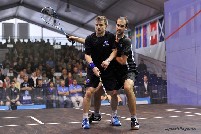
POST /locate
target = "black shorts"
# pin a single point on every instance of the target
(121, 79)
(109, 82)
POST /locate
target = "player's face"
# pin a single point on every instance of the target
(120, 26)
(100, 27)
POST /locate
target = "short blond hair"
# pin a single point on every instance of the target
(102, 18)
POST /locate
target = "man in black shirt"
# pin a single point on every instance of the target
(126, 68)
(99, 49)
(26, 91)
(12, 96)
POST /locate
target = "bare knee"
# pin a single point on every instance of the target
(89, 93)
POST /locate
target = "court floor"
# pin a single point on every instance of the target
(154, 119)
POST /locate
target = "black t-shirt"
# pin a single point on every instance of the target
(124, 47)
(100, 49)
(39, 91)
(25, 84)
(12, 93)
(2, 94)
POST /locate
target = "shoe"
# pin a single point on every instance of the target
(115, 121)
(85, 123)
(134, 124)
(95, 117)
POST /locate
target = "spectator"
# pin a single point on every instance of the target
(25, 91)
(51, 93)
(2, 93)
(142, 67)
(64, 98)
(64, 77)
(12, 96)
(76, 94)
(39, 93)
(17, 84)
(145, 88)
(2, 77)
(7, 82)
(70, 78)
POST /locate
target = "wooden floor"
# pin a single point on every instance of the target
(154, 119)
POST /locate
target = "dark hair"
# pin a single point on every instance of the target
(123, 18)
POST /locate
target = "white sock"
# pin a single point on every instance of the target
(85, 115)
(134, 116)
(114, 113)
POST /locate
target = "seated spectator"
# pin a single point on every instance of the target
(64, 77)
(20, 77)
(142, 67)
(39, 93)
(123, 97)
(51, 93)
(26, 91)
(7, 82)
(57, 81)
(145, 90)
(80, 79)
(17, 84)
(64, 98)
(12, 96)
(2, 93)
(45, 78)
(2, 77)
(76, 94)
(70, 78)
(33, 79)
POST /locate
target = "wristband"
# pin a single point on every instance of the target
(108, 61)
(92, 65)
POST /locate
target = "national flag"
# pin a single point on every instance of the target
(138, 37)
(161, 29)
(144, 38)
(153, 33)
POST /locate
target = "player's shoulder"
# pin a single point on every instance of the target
(107, 33)
(91, 36)
(126, 39)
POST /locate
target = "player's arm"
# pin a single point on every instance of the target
(77, 39)
(122, 60)
(106, 63)
(122, 55)
(88, 57)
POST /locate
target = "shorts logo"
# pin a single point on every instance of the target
(87, 81)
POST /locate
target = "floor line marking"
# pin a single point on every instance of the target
(40, 122)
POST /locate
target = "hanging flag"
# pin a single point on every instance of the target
(161, 29)
(144, 40)
(153, 33)
(138, 37)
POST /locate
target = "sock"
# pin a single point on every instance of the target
(133, 116)
(85, 115)
(114, 113)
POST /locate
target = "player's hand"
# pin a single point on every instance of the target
(105, 64)
(70, 38)
(96, 71)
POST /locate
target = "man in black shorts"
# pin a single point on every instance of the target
(99, 51)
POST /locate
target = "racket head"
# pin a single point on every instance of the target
(49, 16)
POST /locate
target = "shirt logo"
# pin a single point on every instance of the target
(106, 43)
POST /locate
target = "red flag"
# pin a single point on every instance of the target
(153, 29)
